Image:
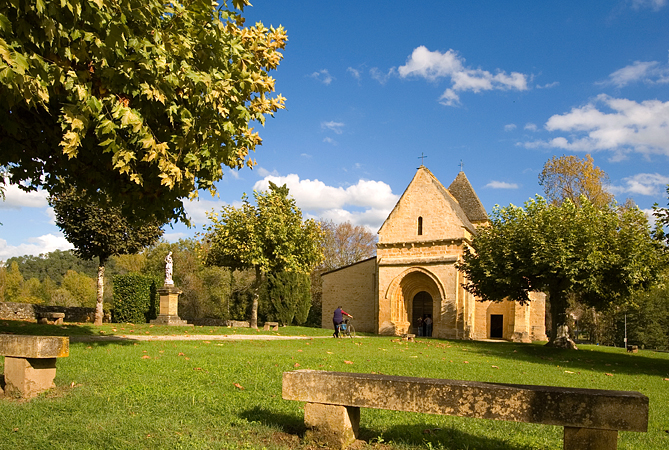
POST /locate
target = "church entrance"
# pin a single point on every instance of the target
(496, 326)
(422, 307)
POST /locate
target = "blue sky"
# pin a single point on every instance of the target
(500, 86)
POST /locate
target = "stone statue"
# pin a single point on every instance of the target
(168, 270)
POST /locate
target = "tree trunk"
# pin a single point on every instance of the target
(559, 324)
(254, 306)
(99, 310)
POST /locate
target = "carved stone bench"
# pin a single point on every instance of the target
(30, 362)
(591, 418)
(54, 318)
(274, 326)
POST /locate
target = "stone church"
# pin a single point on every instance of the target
(413, 274)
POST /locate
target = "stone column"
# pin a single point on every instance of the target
(334, 426)
(169, 307)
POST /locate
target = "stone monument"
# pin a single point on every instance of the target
(169, 299)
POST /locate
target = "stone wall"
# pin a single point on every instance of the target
(354, 289)
(29, 311)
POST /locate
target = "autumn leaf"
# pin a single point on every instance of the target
(466, 362)
(146, 357)
(239, 386)
(348, 362)
(609, 374)
(181, 354)
(495, 367)
(297, 365)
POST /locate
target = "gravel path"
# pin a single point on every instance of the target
(197, 337)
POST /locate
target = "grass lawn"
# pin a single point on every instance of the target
(227, 394)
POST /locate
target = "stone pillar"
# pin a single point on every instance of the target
(334, 426)
(169, 307)
(590, 439)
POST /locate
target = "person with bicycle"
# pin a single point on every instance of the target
(337, 320)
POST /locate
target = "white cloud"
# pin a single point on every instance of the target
(323, 76)
(174, 237)
(15, 198)
(651, 72)
(655, 5)
(333, 126)
(329, 140)
(305, 155)
(501, 185)
(510, 127)
(530, 127)
(548, 85)
(435, 65)
(264, 172)
(642, 184)
(365, 203)
(354, 72)
(379, 76)
(621, 126)
(197, 209)
(35, 246)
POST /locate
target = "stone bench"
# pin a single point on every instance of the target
(591, 418)
(30, 362)
(54, 318)
(274, 326)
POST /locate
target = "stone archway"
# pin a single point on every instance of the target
(404, 289)
(422, 306)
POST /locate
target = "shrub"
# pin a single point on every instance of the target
(134, 298)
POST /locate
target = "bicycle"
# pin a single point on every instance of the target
(347, 329)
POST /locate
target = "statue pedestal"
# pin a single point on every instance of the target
(169, 306)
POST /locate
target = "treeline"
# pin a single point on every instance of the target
(61, 278)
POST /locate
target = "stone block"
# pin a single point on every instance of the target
(274, 326)
(548, 405)
(28, 377)
(34, 346)
(589, 439)
(333, 426)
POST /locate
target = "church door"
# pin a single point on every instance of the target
(422, 307)
(496, 326)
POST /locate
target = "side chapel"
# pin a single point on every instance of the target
(413, 274)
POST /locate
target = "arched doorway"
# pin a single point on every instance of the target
(422, 307)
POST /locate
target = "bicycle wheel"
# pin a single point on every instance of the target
(350, 331)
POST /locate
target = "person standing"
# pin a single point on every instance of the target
(337, 320)
(428, 325)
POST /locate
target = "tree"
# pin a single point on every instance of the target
(289, 294)
(345, 244)
(569, 177)
(270, 237)
(601, 255)
(135, 101)
(100, 230)
(661, 221)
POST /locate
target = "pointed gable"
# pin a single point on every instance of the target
(428, 208)
(464, 193)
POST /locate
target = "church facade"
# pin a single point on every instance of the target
(413, 275)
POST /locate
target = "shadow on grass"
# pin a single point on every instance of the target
(588, 357)
(423, 436)
(413, 435)
(77, 332)
(287, 423)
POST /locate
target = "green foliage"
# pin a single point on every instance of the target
(661, 222)
(138, 101)
(270, 236)
(601, 255)
(54, 265)
(81, 287)
(13, 284)
(570, 177)
(133, 301)
(289, 294)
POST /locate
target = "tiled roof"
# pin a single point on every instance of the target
(464, 193)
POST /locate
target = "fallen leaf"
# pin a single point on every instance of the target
(297, 365)
(150, 326)
(181, 354)
(348, 362)
(197, 368)
(15, 430)
(666, 379)
(147, 332)
(466, 362)
(72, 384)
(568, 371)
(186, 358)
(609, 374)
(329, 353)
(239, 386)
(146, 357)
(299, 350)
(495, 367)
(207, 342)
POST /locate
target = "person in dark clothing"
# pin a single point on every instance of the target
(337, 320)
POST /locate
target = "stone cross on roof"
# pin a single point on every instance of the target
(422, 158)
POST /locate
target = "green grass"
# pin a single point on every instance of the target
(183, 394)
(129, 329)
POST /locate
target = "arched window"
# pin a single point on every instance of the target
(420, 226)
